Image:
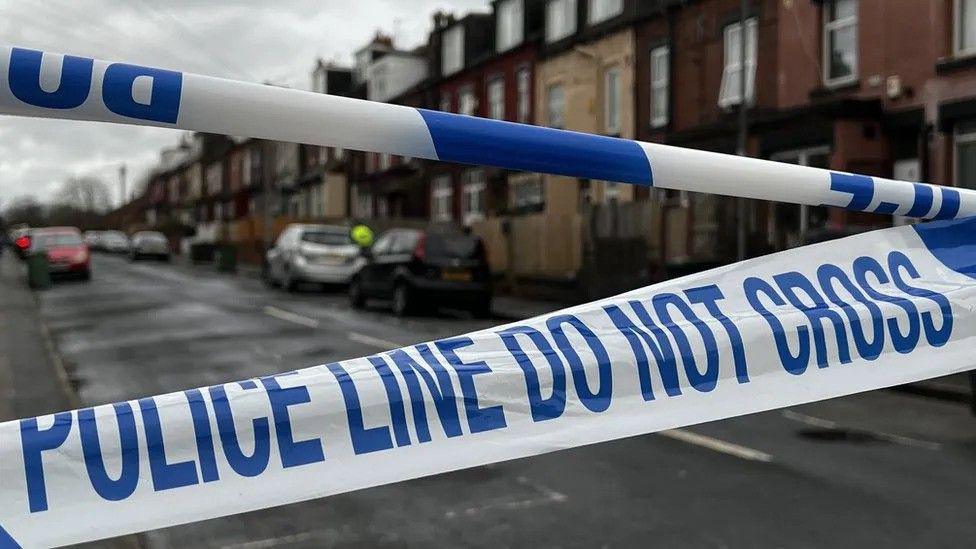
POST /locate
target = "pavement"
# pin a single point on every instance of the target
(882, 468)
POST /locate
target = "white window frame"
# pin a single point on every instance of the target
(528, 191)
(523, 94)
(550, 110)
(452, 50)
(962, 137)
(599, 11)
(467, 101)
(729, 94)
(445, 105)
(830, 26)
(660, 84)
(386, 160)
(364, 204)
(563, 11)
(442, 199)
(473, 186)
(496, 98)
(511, 25)
(959, 49)
(612, 101)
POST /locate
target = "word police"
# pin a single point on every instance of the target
(675, 342)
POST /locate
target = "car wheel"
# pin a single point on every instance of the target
(482, 308)
(290, 284)
(402, 300)
(356, 298)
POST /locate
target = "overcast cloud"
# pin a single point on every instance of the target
(254, 40)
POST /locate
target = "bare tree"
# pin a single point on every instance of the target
(25, 209)
(86, 194)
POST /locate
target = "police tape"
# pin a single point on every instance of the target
(51, 85)
(827, 320)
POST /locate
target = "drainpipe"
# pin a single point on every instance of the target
(743, 134)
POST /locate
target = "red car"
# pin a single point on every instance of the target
(66, 252)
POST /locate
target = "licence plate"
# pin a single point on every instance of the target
(456, 275)
(331, 260)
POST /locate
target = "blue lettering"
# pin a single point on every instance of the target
(541, 408)
(165, 475)
(246, 466)
(479, 419)
(817, 313)
(709, 297)
(600, 400)
(164, 104)
(870, 350)
(292, 453)
(660, 347)
(794, 364)
(393, 395)
(441, 391)
(112, 490)
(903, 342)
(364, 440)
(702, 381)
(936, 338)
(34, 442)
(24, 76)
(204, 435)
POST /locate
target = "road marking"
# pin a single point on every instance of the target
(289, 316)
(373, 341)
(273, 542)
(833, 425)
(548, 496)
(742, 452)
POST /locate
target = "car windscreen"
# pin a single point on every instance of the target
(43, 241)
(150, 237)
(454, 246)
(331, 238)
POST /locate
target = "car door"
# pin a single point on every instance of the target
(370, 273)
(277, 255)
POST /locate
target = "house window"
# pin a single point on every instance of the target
(611, 101)
(338, 153)
(510, 25)
(527, 193)
(840, 41)
(442, 197)
(467, 102)
(445, 102)
(660, 78)
(364, 204)
(473, 197)
(496, 99)
(965, 42)
(560, 19)
(556, 106)
(966, 155)
(731, 92)
(523, 81)
(601, 10)
(452, 50)
(385, 161)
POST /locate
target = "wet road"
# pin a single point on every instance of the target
(882, 468)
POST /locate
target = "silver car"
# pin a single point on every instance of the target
(149, 244)
(320, 254)
(114, 242)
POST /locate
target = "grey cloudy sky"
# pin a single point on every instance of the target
(254, 40)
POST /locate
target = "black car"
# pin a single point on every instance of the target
(417, 269)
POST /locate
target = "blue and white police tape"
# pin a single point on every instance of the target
(52, 85)
(872, 311)
(832, 319)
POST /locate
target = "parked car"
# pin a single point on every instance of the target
(321, 254)
(416, 268)
(91, 238)
(149, 244)
(21, 239)
(115, 242)
(67, 253)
